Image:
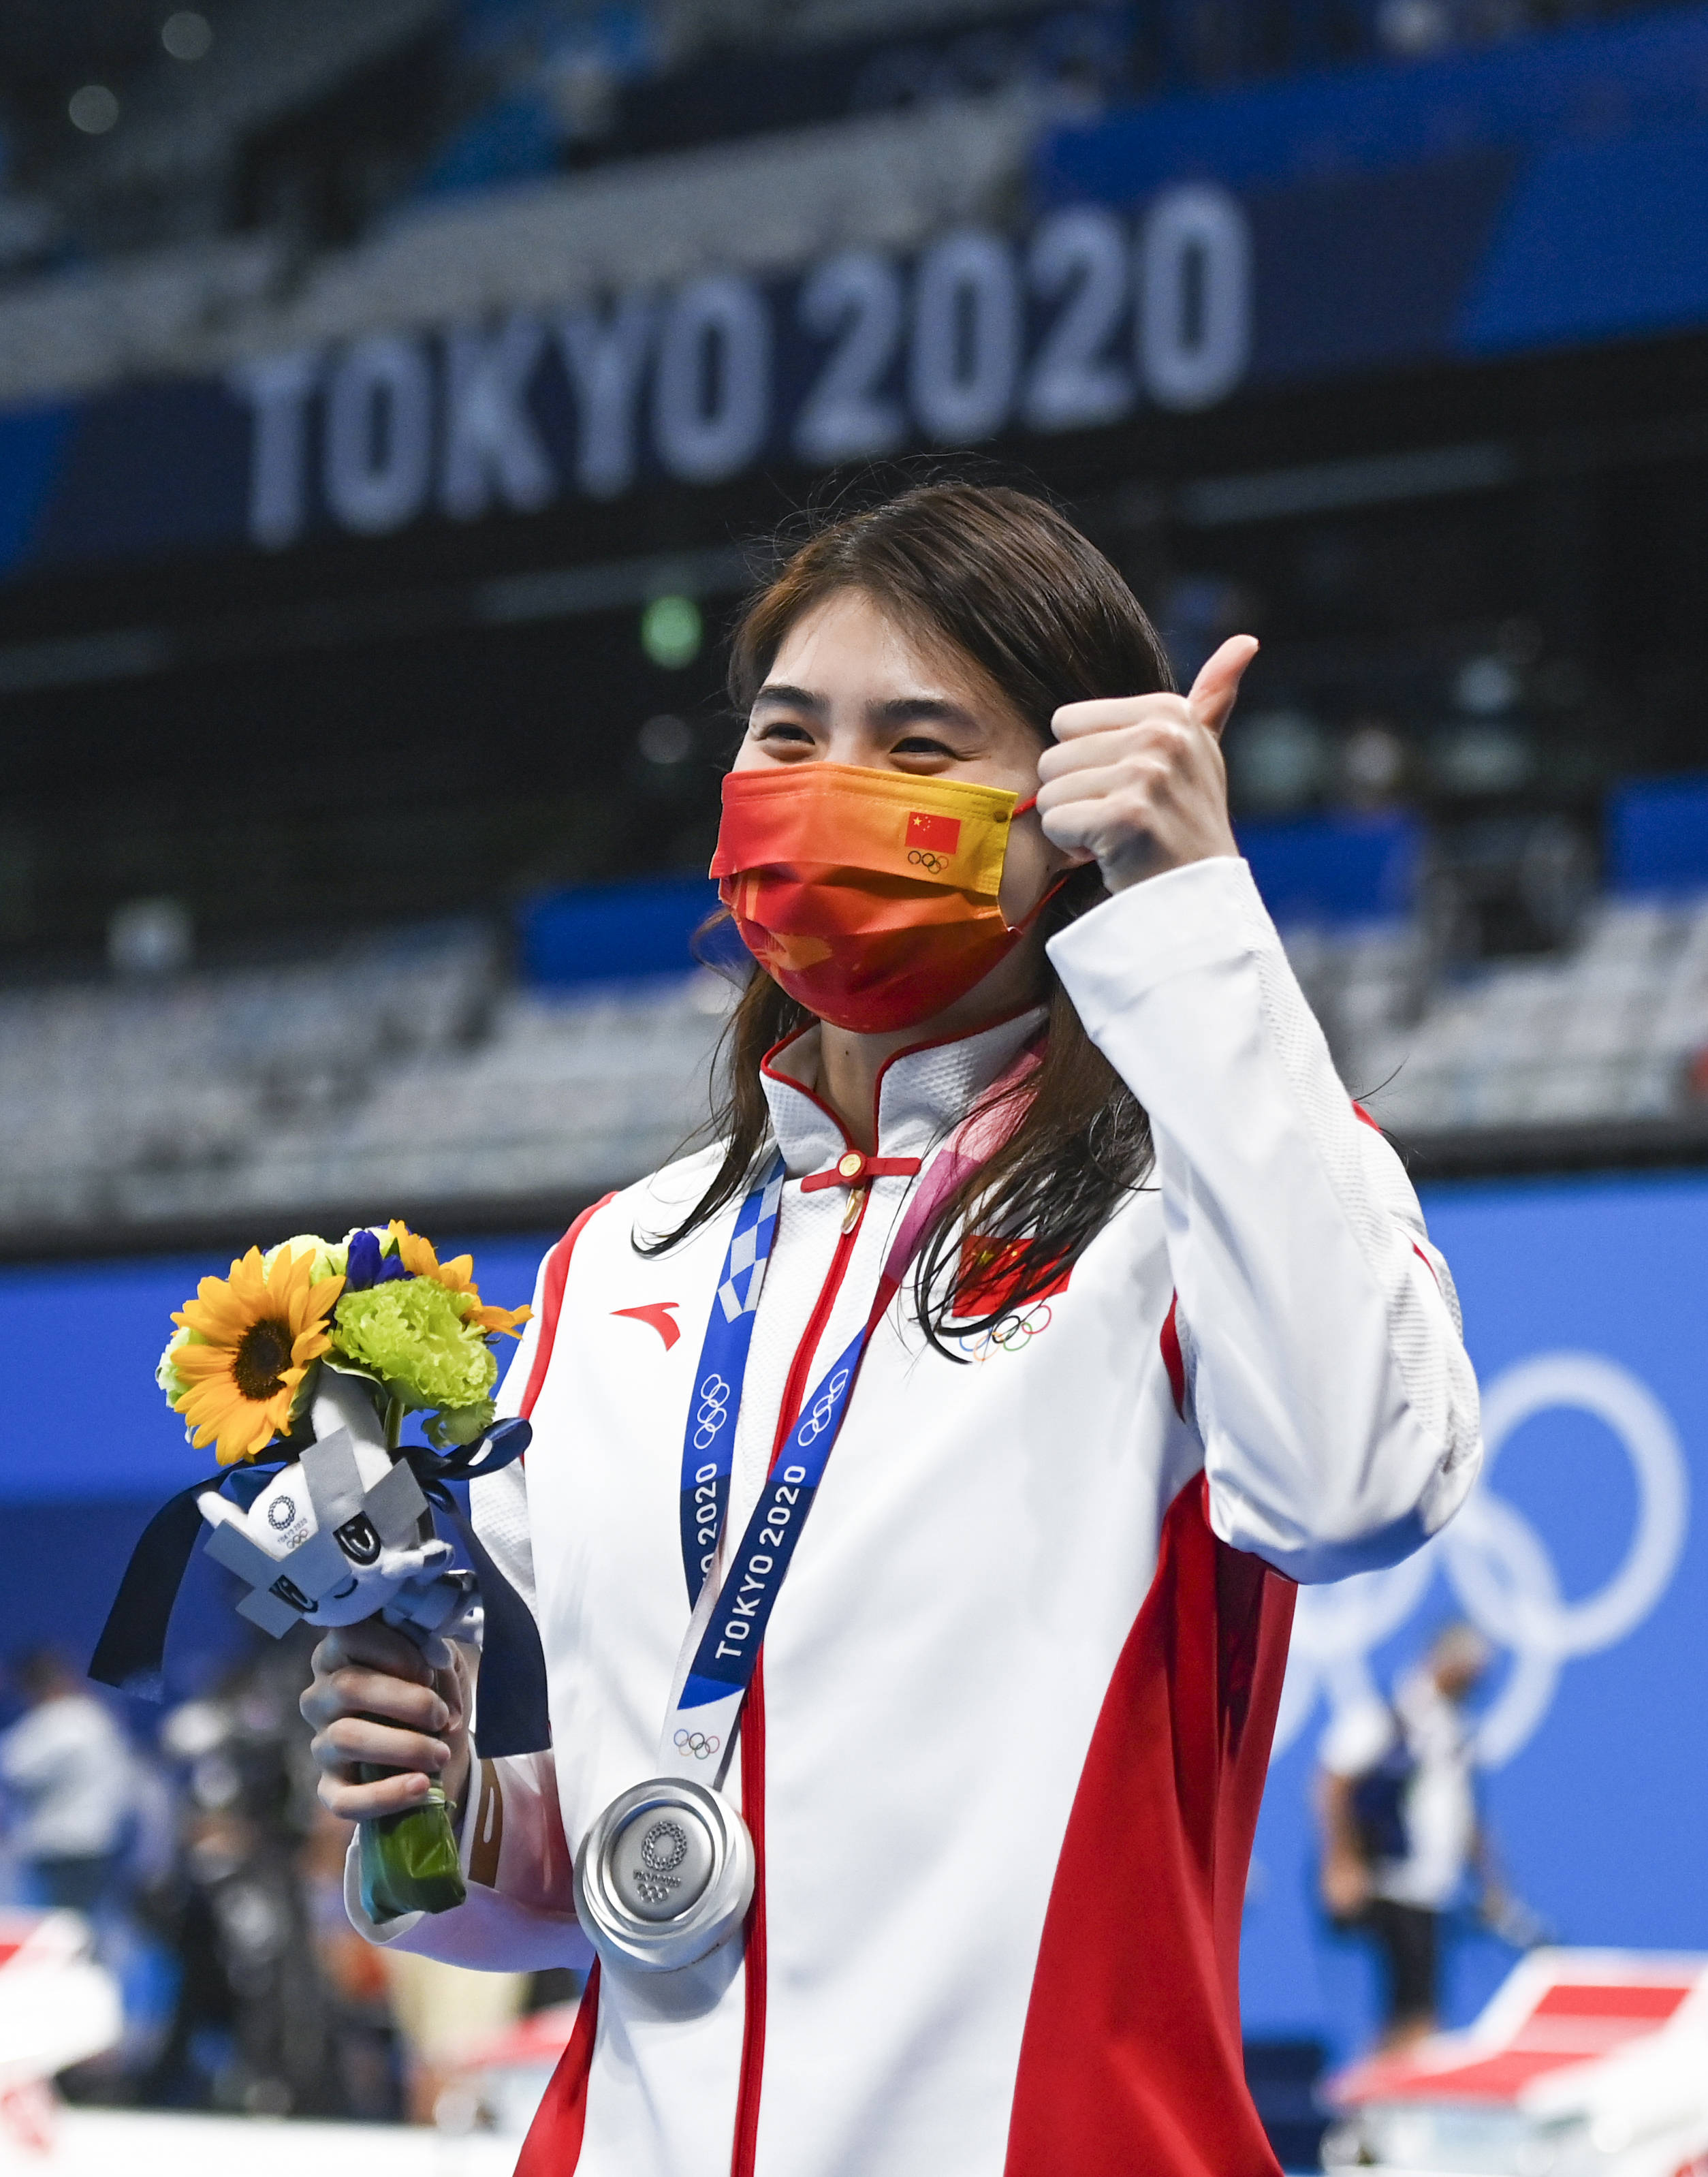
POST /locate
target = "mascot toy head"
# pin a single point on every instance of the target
(343, 1533)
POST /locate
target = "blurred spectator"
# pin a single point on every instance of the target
(1401, 1834)
(257, 2027)
(67, 1766)
(445, 2015)
(355, 1972)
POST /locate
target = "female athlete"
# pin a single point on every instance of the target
(921, 1473)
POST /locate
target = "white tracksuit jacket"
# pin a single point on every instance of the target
(1004, 1756)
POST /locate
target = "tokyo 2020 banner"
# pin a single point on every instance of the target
(1495, 201)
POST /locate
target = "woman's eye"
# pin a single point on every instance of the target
(783, 729)
(922, 744)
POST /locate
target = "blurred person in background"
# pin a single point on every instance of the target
(256, 2025)
(1401, 1834)
(357, 1978)
(1135, 1322)
(66, 1765)
(445, 2015)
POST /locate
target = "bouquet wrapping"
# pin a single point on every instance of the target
(302, 1368)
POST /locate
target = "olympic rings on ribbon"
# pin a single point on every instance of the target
(698, 1743)
(922, 858)
(713, 1411)
(824, 1411)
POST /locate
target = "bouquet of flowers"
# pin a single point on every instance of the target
(305, 1362)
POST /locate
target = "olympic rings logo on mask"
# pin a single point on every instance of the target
(1499, 1568)
(1010, 1334)
(824, 1410)
(712, 1412)
(922, 857)
(698, 1743)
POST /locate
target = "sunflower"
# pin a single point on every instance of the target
(248, 1341)
(417, 1257)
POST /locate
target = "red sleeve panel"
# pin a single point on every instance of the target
(1130, 2060)
(553, 2146)
(552, 1302)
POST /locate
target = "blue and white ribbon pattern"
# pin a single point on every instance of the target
(708, 1442)
(699, 1731)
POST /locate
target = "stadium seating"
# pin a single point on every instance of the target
(268, 62)
(918, 117)
(138, 316)
(1612, 1032)
(416, 1074)
(403, 1075)
(769, 205)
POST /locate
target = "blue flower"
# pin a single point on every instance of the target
(368, 1266)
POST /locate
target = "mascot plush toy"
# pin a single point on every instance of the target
(344, 1533)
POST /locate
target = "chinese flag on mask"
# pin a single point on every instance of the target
(941, 834)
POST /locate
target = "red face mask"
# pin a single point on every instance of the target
(870, 897)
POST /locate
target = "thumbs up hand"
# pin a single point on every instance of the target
(1137, 782)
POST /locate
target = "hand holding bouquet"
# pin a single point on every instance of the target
(307, 1361)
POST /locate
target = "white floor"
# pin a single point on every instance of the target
(136, 2143)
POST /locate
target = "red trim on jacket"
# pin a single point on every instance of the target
(1359, 1112)
(855, 1168)
(553, 2146)
(1172, 1358)
(745, 2143)
(1132, 2059)
(552, 1304)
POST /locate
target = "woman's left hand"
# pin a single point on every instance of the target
(1137, 781)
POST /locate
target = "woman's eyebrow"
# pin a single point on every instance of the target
(920, 710)
(797, 699)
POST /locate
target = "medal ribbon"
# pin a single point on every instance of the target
(708, 1442)
(702, 1722)
(728, 1626)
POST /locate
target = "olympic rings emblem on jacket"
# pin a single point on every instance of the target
(824, 1410)
(1500, 1570)
(701, 1744)
(1009, 1334)
(713, 1411)
(922, 857)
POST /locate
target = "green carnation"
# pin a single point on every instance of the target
(462, 1424)
(411, 1333)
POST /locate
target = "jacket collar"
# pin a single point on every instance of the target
(923, 1092)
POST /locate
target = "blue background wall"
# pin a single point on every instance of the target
(1602, 1812)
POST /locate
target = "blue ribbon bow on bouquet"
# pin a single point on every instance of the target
(130, 1652)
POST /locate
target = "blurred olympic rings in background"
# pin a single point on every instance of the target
(1500, 1570)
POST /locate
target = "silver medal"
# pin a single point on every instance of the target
(664, 1875)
